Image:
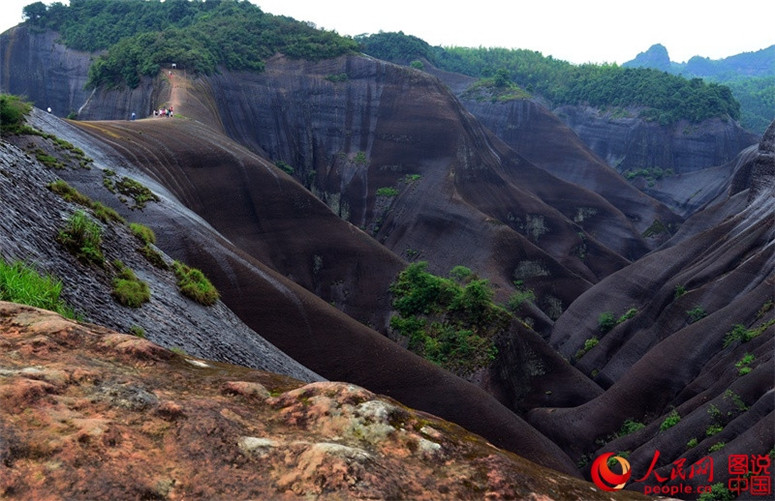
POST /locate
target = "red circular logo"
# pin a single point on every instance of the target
(606, 479)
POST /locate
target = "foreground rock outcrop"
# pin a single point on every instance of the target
(88, 413)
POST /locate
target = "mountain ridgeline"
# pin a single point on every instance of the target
(198, 36)
(663, 98)
(462, 243)
(750, 75)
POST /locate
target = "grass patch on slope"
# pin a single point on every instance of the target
(20, 283)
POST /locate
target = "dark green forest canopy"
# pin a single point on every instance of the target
(142, 35)
(665, 98)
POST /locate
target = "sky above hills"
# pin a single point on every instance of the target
(591, 31)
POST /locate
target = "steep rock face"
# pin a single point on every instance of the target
(449, 188)
(311, 330)
(88, 413)
(698, 339)
(629, 143)
(51, 75)
(28, 233)
(533, 132)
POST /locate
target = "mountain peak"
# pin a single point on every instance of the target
(655, 57)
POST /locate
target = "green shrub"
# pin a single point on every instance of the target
(696, 313)
(128, 289)
(713, 429)
(717, 492)
(679, 291)
(716, 447)
(519, 297)
(194, 285)
(12, 112)
(20, 283)
(82, 237)
(139, 193)
(450, 321)
(627, 315)
(588, 345)
(671, 420)
(629, 426)
(337, 77)
(743, 365)
(693, 442)
(143, 233)
(387, 191)
(606, 321)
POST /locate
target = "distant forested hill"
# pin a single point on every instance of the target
(750, 76)
(664, 98)
(140, 35)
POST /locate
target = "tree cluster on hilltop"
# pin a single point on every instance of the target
(750, 76)
(140, 36)
(665, 98)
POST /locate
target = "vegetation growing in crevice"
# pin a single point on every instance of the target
(102, 212)
(695, 314)
(588, 345)
(13, 109)
(83, 238)
(21, 283)
(127, 288)
(450, 321)
(194, 284)
(671, 420)
(136, 191)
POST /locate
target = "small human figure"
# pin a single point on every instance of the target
(156, 113)
(48, 109)
(134, 115)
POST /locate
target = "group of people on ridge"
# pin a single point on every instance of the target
(163, 112)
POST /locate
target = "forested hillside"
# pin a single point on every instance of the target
(196, 35)
(750, 76)
(663, 97)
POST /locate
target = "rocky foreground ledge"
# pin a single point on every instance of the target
(89, 413)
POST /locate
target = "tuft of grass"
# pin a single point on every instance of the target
(106, 214)
(82, 237)
(138, 331)
(64, 190)
(128, 289)
(12, 112)
(143, 233)
(139, 193)
(153, 256)
(194, 284)
(102, 212)
(20, 283)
